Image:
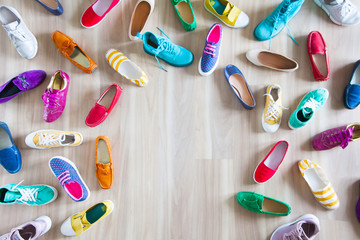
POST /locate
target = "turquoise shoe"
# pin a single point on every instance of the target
(307, 107)
(163, 48)
(277, 20)
(34, 195)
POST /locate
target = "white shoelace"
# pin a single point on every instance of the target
(345, 8)
(48, 139)
(273, 112)
(27, 194)
(311, 103)
(296, 235)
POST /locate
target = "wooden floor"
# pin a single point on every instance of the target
(183, 146)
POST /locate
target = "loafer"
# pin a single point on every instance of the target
(72, 51)
(185, 13)
(140, 17)
(240, 87)
(103, 162)
(318, 55)
(352, 90)
(97, 12)
(10, 156)
(357, 209)
(52, 6)
(99, 112)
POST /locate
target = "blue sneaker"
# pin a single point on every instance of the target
(163, 48)
(277, 20)
(352, 90)
(10, 157)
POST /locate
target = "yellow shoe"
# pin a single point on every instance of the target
(228, 13)
(271, 117)
(80, 222)
(44, 139)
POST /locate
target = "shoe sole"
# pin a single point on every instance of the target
(81, 136)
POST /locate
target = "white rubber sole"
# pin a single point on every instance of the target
(263, 124)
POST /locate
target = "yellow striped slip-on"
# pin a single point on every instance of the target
(319, 184)
(125, 67)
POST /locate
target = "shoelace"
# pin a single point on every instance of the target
(311, 103)
(273, 112)
(210, 49)
(52, 100)
(27, 194)
(164, 45)
(64, 177)
(297, 234)
(345, 8)
(343, 137)
(47, 139)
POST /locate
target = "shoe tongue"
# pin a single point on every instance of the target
(227, 9)
(11, 196)
(307, 112)
(16, 236)
(54, 91)
(11, 26)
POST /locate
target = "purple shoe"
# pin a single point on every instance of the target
(357, 210)
(21, 83)
(54, 96)
(340, 136)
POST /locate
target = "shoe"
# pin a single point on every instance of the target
(128, 69)
(185, 13)
(271, 118)
(139, 17)
(229, 14)
(69, 177)
(34, 195)
(10, 156)
(23, 39)
(100, 112)
(272, 60)
(261, 204)
(238, 84)
(97, 12)
(29, 231)
(318, 54)
(52, 6)
(210, 57)
(357, 209)
(45, 139)
(163, 48)
(277, 20)
(340, 136)
(352, 90)
(103, 162)
(21, 83)
(319, 184)
(307, 107)
(306, 227)
(72, 51)
(340, 12)
(268, 167)
(55, 96)
(81, 222)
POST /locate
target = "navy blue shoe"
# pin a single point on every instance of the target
(52, 6)
(352, 90)
(240, 87)
(10, 157)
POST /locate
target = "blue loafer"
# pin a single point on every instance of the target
(352, 90)
(52, 6)
(239, 86)
(10, 157)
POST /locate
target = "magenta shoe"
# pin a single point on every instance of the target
(54, 96)
(340, 136)
(21, 83)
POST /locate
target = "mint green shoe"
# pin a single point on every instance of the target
(307, 107)
(185, 13)
(34, 195)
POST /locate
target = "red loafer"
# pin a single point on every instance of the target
(319, 57)
(103, 106)
(97, 12)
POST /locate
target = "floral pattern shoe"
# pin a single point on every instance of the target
(44, 139)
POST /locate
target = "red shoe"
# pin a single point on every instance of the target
(97, 12)
(317, 50)
(268, 167)
(99, 112)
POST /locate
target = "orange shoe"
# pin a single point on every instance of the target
(72, 51)
(103, 162)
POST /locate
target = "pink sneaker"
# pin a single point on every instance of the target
(54, 96)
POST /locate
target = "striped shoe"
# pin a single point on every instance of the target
(125, 67)
(319, 184)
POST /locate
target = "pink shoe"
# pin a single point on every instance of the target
(318, 55)
(268, 167)
(54, 96)
(97, 12)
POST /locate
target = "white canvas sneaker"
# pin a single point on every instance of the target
(23, 40)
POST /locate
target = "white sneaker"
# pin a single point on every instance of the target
(23, 40)
(341, 12)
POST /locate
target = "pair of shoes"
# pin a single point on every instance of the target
(10, 156)
(52, 6)
(48, 138)
(185, 13)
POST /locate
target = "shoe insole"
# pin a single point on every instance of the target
(309, 229)
(68, 139)
(152, 43)
(129, 70)
(50, 3)
(274, 206)
(108, 97)
(274, 92)
(58, 82)
(141, 14)
(215, 34)
(95, 213)
(241, 88)
(185, 11)
(320, 62)
(9, 90)
(103, 155)
(313, 179)
(28, 232)
(5, 141)
(102, 6)
(6, 16)
(275, 61)
(218, 6)
(356, 77)
(79, 57)
(3, 192)
(275, 158)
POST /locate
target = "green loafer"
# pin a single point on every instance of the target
(185, 13)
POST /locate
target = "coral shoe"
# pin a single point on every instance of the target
(96, 13)
(103, 162)
(318, 55)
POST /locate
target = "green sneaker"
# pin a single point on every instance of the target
(185, 13)
(34, 195)
(307, 107)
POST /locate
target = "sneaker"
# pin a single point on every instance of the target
(81, 222)
(34, 195)
(69, 177)
(24, 41)
(30, 230)
(307, 107)
(44, 139)
(303, 228)
(341, 12)
(340, 136)
(55, 96)
(271, 118)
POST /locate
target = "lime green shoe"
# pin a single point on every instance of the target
(307, 107)
(185, 13)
